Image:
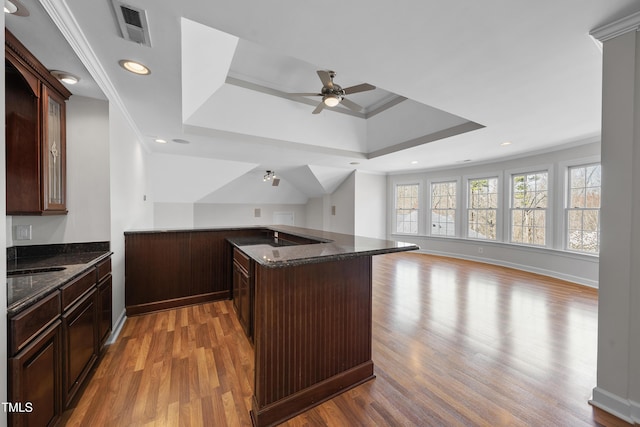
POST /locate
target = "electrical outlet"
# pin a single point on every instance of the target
(22, 232)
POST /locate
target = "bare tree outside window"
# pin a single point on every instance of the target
(443, 208)
(407, 204)
(583, 208)
(482, 214)
(529, 203)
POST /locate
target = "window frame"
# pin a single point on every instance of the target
(429, 218)
(549, 210)
(566, 167)
(395, 208)
(499, 208)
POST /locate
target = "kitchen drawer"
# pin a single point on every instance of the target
(73, 291)
(242, 259)
(29, 323)
(104, 269)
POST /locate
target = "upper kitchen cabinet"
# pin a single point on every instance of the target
(35, 134)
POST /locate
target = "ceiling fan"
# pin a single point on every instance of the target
(333, 94)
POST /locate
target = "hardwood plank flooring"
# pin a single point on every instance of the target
(455, 343)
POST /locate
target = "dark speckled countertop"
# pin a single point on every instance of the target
(271, 255)
(31, 286)
(271, 252)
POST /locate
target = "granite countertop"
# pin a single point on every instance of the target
(32, 284)
(330, 246)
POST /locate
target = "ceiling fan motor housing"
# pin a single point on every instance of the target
(335, 90)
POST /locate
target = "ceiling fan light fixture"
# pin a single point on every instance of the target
(331, 100)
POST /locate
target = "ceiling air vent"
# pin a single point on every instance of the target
(133, 23)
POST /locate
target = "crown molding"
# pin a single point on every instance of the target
(616, 28)
(66, 22)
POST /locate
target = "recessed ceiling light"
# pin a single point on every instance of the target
(134, 67)
(65, 77)
(181, 141)
(504, 144)
(354, 163)
(161, 141)
(415, 162)
(10, 7)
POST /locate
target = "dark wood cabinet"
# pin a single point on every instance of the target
(79, 336)
(177, 268)
(35, 376)
(35, 131)
(54, 344)
(243, 290)
(105, 309)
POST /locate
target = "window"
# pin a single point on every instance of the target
(529, 202)
(443, 208)
(407, 202)
(583, 209)
(482, 212)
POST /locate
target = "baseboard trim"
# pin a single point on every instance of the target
(117, 328)
(624, 409)
(134, 310)
(550, 273)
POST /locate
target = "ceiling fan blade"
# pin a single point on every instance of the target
(351, 105)
(358, 88)
(305, 94)
(318, 108)
(325, 78)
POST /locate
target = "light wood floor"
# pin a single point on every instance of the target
(455, 343)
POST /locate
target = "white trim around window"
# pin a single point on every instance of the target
(419, 221)
(429, 221)
(549, 210)
(563, 201)
(467, 205)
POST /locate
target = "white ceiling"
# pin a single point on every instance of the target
(476, 74)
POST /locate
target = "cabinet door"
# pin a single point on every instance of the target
(104, 310)
(237, 273)
(245, 303)
(54, 153)
(79, 334)
(22, 133)
(242, 297)
(35, 377)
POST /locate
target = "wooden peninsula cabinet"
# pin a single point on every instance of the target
(35, 130)
(303, 298)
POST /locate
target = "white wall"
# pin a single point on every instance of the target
(551, 261)
(88, 219)
(173, 215)
(315, 213)
(370, 219)
(344, 201)
(223, 214)
(129, 186)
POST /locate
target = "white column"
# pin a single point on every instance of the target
(618, 378)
